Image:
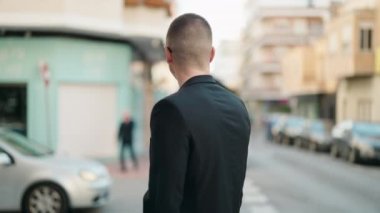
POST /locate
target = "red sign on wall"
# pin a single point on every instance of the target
(45, 73)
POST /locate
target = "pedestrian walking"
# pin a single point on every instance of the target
(126, 142)
(199, 135)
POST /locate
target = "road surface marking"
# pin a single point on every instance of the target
(263, 209)
(254, 201)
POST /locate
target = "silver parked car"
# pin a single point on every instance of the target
(356, 141)
(319, 136)
(33, 179)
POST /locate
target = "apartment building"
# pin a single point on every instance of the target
(357, 91)
(341, 64)
(269, 34)
(304, 83)
(377, 38)
(226, 64)
(346, 50)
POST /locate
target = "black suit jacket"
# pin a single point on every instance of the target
(126, 132)
(198, 150)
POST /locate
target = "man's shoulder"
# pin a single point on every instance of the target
(165, 103)
(172, 99)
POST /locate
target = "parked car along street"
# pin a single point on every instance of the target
(295, 128)
(270, 121)
(356, 141)
(34, 179)
(277, 129)
(319, 136)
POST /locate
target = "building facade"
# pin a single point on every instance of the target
(358, 82)
(339, 68)
(358, 98)
(227, 64)
(78, 109)
(68, 74)
(269, 34)
(304, 84)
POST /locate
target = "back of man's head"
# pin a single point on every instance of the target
(189, 39)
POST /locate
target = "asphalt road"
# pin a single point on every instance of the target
(280, 179)
(291, 180)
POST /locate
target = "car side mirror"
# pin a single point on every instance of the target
(5, 159)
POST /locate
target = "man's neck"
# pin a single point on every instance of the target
(185, 76)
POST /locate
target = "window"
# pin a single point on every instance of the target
(364, 110)
(280, 51)
(281, 23)
(333, 43)
(366, 37)
(300, 27)
(13, 107)
(346, 38)
(281, 26)
(316, 27)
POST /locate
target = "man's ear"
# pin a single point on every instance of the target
(168, 55)
(212, 54)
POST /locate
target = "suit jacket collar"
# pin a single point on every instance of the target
(199, 79)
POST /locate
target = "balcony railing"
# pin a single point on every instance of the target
(273, 40)
(267, 67)
(165, 4)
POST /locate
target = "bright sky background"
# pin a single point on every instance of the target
(227, 16)
(224, 16)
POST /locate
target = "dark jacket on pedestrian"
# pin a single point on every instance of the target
(198, 150)
(125, 131)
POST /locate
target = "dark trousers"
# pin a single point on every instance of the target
(123, 163)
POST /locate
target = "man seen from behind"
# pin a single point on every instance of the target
(199, 135)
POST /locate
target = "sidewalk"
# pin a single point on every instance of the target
(128, 188)
(141, 173)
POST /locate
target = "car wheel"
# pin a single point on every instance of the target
(298, 143)
(276, 139)
(334, 152)
(45, 197)
(279, 138)
(353, 156)
(286, 141)
(313, 146)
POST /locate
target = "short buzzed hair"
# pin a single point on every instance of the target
(190, 39)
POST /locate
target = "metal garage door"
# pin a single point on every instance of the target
(87, 120)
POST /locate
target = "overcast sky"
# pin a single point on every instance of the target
(224, 16)
(227, 16)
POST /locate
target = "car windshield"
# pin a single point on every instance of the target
(23, 145)
(367, 130)
(318, 126)
(295, 122)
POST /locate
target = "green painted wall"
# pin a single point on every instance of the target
(70, 60)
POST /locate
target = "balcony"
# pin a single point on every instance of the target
(313, 31)
(160, 4)
(283, 40)
(359, 57)
(267, 67)
(265, 94)
(272, 12)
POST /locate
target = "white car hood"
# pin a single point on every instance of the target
(70, 163)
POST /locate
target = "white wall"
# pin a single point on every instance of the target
(97, 15)
(87, 120)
